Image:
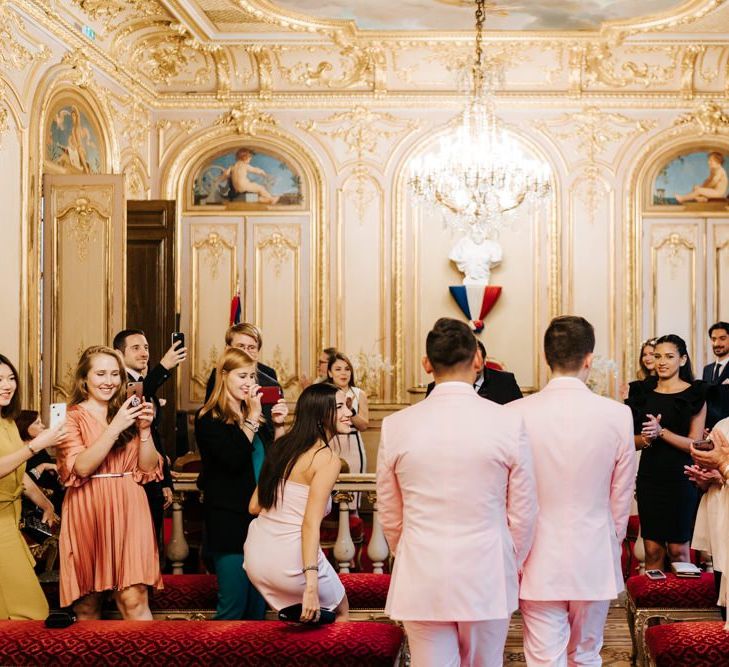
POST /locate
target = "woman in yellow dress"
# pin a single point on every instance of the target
(21, 597)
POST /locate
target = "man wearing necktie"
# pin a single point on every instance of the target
(134, 348)
(497, 386)
(717, 375)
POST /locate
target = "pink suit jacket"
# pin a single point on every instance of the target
(457, 501)
(585, 464)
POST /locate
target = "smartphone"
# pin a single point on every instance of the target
(703, 445)
(135, 389)
(270, 395)
(655, 574)
(58, 414)
(178, 336)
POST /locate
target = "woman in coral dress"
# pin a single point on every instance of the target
(283, 558)
(21, 597)
(107, 540)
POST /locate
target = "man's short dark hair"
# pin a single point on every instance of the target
(449, 343)
(481, 347)
(567, 341)
(718, 325)
(120, 340)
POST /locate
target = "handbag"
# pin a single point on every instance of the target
(33, 526)
(292, 614)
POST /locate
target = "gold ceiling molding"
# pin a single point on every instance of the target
(246, 118)
(136, 181)
(14, 54)
(135, 122)
(361, 129)
(707, 118)
(81, 73)
(602, 68)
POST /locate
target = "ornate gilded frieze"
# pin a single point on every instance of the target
(707, 118)
(246, 118)
(14, 54)
(361, 129)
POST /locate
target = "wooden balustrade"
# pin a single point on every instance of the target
(347, 488)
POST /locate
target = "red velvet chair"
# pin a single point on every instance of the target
(249, 643)
(690, 644)
(671, 599)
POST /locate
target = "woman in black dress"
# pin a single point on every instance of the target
(668, 416)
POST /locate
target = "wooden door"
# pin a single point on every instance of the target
(83, 273)
(150, 294)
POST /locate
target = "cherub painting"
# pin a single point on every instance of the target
(696, 178)
(247, 178)
(73, 142)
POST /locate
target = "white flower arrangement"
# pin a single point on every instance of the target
(369, 370)
(603, 373)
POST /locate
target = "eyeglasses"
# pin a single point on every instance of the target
(248, 348)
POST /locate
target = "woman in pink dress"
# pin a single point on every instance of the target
(107, 538)
(283, 558)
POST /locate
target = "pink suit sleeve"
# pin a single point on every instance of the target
(623, 480)
(68, 450)
(521, 503)
(389, 496)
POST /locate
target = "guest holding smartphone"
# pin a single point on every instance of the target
(283, 557)
(233, 436)
(107, 538)
(667, 417)
(21, 597)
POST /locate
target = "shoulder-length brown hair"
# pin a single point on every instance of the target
(80, 391)
(217, 404)
(12, 409)
(340, 356)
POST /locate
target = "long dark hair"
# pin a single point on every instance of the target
(12, 409)
(24, 421)
(685, 372)
(315, 421)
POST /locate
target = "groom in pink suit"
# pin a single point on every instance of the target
(585, 464)
(457, 501)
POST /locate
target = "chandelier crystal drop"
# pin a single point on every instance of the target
(479, 172)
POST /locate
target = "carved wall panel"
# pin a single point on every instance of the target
(212, 252)
(513, 327)
(362, 259)
(718, 271)
(675, 288)
(83, 286)
(590, 259)
(277, 278)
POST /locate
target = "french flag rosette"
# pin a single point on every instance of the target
(475, 302)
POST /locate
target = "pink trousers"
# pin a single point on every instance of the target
(454, 644)
(562, 633)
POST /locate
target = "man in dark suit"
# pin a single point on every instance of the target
(248, 338)
(497, 386)
(133, 346)
(717, 375)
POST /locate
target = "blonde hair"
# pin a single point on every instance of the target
(217, 404)
(80, 390)
(246, 329)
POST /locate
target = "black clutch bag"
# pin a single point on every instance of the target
(60, 619)
(34, 527)
(292, 614)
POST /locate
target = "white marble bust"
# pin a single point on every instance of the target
(475, 255)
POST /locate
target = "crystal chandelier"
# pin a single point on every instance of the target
(478, 173)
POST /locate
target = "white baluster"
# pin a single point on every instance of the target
(377, 549)
(344, 546)
(177, 549)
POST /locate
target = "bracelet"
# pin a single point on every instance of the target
(647, 442)
(254, 426)
(309, 567)
(30, 447)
